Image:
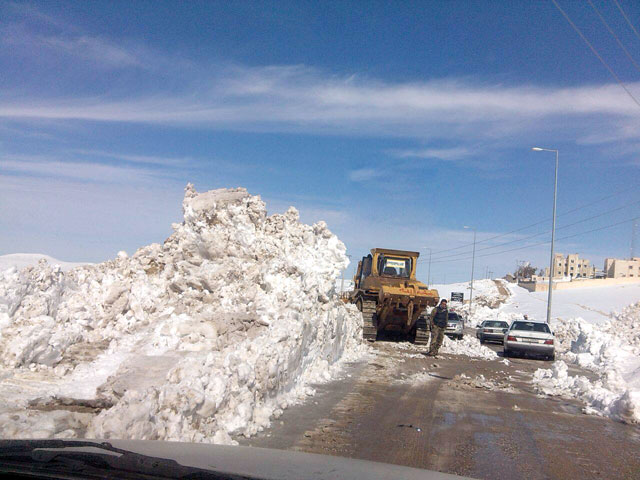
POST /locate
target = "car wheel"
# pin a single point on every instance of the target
(481, 339)
(505, 353)
(551, 357)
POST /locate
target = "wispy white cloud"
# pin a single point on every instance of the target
(141, 159)
(445, 154)
(364, 174)
(52, 167)
(93, 48)
(98, 51)
(302, 99)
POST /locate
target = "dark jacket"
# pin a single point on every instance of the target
(440, 316)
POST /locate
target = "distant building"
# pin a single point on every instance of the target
(620, 268)
(571, 266)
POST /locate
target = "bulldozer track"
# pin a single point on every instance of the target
(422, 331)
(369, 330)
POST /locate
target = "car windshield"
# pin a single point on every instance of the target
(496, 324)
(531, 327)
(395, 267)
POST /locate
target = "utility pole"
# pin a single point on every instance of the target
(553, 230)
(634, 239)
(473, 263)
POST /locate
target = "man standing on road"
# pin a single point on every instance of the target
(439, 318)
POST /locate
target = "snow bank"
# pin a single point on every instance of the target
(204, 337)
(468, 345)
(611, 350)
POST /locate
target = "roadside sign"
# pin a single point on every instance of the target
(457, 297)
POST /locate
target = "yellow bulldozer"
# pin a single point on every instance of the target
(389, 296)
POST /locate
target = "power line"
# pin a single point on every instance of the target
(540, 243)
(614, 36)
(595, 52)
(581, 207)
(543, 233)
(627, 19)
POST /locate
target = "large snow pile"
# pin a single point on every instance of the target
(488, 296)
(206, 336)
(612, 350)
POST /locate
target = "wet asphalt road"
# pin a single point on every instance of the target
(403, 408)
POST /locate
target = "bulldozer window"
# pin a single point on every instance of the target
(366, 266)
(394, 267)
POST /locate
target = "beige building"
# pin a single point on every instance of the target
(619, 268)
(571, 266)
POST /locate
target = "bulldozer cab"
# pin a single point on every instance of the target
(394, 266)
(386, 263)
(398, 264)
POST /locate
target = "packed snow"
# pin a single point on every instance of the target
(202, 338)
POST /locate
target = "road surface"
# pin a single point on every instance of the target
(404, 408)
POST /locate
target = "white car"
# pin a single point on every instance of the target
(526, 336)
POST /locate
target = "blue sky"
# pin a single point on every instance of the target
(395, 122)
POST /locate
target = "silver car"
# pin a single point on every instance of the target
(492, 330)
(455, 326)
(529, 337)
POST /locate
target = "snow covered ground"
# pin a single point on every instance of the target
(596, 328)
(595, 305)
(22, 260)
(206, 336)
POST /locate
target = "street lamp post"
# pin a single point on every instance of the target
(553, 230)
(473, 263)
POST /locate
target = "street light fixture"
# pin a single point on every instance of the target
(553, 230)
(473, 262)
